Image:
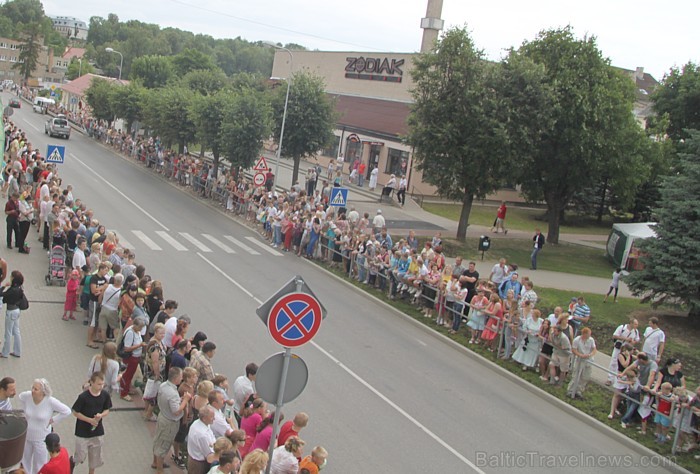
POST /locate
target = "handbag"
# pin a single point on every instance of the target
(121, 351)
(23, 304)
(151, 390)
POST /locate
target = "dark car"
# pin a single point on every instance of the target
(15, 103)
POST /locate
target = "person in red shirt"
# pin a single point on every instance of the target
(292, 428)
(500, 222)
(59, 462)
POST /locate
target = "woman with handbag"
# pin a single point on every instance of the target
(132, 347)
(155, 368)
(15, 301)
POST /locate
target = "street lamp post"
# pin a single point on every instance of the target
(121, 62)
(284, 114)
(80, 69)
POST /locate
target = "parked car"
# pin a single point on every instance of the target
(15, 103)
(57, 126)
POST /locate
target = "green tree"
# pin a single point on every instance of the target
(591, 123)
(191, 60)
(245, 126)
(75, 68)
(153, 71)
(453, 124)
(310, 118)
(127, 102)
(677, 101)
(99, 98)
(207, 113)
(671, 271)
(167, 114)
(29, 52)
(205, 82)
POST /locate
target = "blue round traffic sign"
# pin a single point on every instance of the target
(294, 319)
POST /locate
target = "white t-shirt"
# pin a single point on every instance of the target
(110, 300)
(170, 328)
(242, 389)
(499, 274)
(200, 440)
(220, 427)
(283, 462)
(652, 340)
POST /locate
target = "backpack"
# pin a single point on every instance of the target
(121, 352)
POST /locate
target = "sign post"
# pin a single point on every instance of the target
(293, 316)
(55, 154)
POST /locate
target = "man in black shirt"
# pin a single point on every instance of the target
(468, 280)
(98, 284)
(90, 409)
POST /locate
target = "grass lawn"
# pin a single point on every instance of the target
(521, 219)
(605, 318)
(566, 258)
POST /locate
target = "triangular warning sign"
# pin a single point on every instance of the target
(55, 157)
(261, 165)
(338, 199)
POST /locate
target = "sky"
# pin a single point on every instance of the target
(641, 33)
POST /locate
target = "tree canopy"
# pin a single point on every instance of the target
(677, 101)
(454, 124)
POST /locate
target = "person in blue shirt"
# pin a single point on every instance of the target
(511, 284)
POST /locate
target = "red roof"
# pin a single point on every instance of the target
(373, 115)
(79, 85)
(74, 53)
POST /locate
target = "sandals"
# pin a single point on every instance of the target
(92, 346)
(126, 398)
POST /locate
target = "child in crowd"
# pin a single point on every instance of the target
(663, 408)
(71, 302)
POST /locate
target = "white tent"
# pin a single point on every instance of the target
(622, 238)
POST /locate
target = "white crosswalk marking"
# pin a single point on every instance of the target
(242, 245)
(169, 239)
(195, 242)
(146, 240)
(123, 243)
(263, 246)
(218, 243)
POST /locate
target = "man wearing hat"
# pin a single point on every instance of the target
(59, 461)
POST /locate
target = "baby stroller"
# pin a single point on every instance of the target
(57, 267)
(387, 191)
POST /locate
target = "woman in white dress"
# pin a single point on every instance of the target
(529, 349)
(373, 178)
(42, 411)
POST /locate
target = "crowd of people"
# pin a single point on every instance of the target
(203, 424)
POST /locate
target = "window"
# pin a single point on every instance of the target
(13, 59)
(396, 162)
(2, 58)
(3, 45)
(353, 151)
(332, 149)
(13, 46)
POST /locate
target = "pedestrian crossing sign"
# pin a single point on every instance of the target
(55, 154)
(339, 197)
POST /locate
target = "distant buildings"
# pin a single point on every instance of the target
(44, 75)
(70, 27)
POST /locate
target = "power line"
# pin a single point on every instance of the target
(274, 27)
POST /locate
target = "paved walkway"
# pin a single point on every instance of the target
(55, 350)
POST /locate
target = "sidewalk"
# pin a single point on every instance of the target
(55, 350)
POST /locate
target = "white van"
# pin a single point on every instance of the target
(41, 104)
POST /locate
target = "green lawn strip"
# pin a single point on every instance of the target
(596, 402)
(521, 219)
(565, 257)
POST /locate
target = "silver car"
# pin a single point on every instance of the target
(57, 126)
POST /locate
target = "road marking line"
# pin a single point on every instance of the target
(123, 243)
(242, 245)
(263, 246)
(422, 343)
(218, 243)
(32, 125)
(119, 192)
(223, 274)
(195, 242)
(362, 381)
(146, 240)
(171, 240)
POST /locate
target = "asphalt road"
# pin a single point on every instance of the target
(383, 395)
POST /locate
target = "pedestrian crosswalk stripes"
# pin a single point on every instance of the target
(160, 240)
(241, 245)
(218, 243)
(263, 246)
(169, 239)
(195, 242)
(146, 240)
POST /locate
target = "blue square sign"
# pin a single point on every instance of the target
(55, 154)
(339, 197)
